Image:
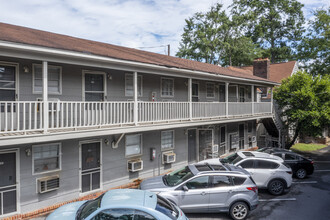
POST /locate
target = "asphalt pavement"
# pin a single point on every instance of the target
(307, 199)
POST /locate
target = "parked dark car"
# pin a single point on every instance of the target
(301, 166)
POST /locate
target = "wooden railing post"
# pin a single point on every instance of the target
(190, 97)
(252, 97)
(135, 98)
(227, 107)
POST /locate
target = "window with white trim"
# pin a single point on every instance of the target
(46, 158)
(129, 89)
(167, 140)
(167, 85)
(54, 79)
(210, 90)
(133, 145)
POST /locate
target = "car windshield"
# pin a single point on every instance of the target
(89, 207)
(236, 160)
(229, 159)
(178, 176)
(166, 208)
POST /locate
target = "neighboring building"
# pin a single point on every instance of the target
(77, 115)
(270, 132)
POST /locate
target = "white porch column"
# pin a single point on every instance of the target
(135, 98)
(190, 97)
(271, 100)
(227, 107)
(252, 100)
(45, 94)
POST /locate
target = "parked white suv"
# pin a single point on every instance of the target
(268, 171)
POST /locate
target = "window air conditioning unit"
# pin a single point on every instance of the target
(254, 139)
(215, 148)
(169, 157)
(47, 184)
(135, 165)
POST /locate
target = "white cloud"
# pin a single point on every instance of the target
(131, 23)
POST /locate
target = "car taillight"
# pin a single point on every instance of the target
(312, 162)
(254, 189)
(289, 172)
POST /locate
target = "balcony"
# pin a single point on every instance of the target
(24, 117)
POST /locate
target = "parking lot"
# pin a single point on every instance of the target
(307, 199)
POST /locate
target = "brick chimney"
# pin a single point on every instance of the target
(261, 67)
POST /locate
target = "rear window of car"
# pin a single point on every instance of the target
(166, 208)
(238, 180)
(247, 164)
(290, 157)
(221, 181)
(262, 164)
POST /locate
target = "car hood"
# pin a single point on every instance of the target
(153, 183)
(66, 212)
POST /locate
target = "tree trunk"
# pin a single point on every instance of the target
(288, 145)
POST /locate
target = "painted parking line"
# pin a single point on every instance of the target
(321, 170)
(308, 182)
(276, 200)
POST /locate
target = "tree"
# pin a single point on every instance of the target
(305, 101)
(314, 50)
(275, 25)
(213, 37)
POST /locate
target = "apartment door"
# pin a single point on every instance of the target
(90, 166)
(8, 185)
(7, 94)
(192, 145)
(241, 94)
(205, 144)
(222, 140)
(241, 136)
(95, 86)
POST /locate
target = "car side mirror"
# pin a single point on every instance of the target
(185, 188)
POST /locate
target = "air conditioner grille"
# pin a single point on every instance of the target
(48, 184)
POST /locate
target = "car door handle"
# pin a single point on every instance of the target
(203, 193)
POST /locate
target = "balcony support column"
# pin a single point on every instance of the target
(190, 97)
(227, 106)
(135, 98)
(271, 100)
(252, 98)
(45, 95)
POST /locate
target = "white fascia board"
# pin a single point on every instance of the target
(58, 55)
(92, 133)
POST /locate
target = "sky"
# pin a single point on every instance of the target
(143, 24)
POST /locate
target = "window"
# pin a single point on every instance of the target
(129, 90)
(54, 79)
(289, 157)
(166, 208)
(198, 183)
(46, 158)
(238, 180)
(247, 164)
(133, 145)
(209, 90)
(7, 83)
(221, 181)
(232, 94)
(94, 86)
(167, 140)
(261, 164)
(115, 214)
(167, 87)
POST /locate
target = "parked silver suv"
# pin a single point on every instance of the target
(202, 189)
(268, 171)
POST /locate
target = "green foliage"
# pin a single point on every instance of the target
(314, 50)
(305, 101)
(275, 25)
(300, 147)
(213, 37)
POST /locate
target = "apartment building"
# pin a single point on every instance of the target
(79, 116)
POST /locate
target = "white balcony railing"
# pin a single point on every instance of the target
(28, 116)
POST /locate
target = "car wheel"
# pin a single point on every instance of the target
(276, 187)
(239, 211)
(301, 173)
